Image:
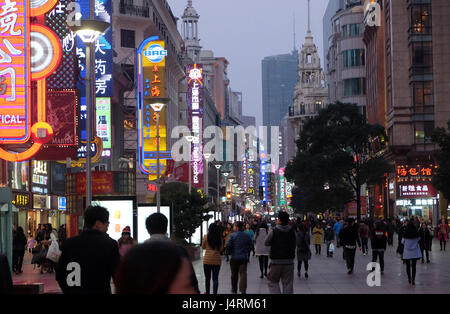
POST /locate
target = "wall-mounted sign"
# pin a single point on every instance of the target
(408, 173)
(102, 182)
(416, 190)
(40, 182)
(21, 200)
(103, 113)
(151, 70)
(62, 203)
(263, 177)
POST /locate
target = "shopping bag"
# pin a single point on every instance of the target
(331, 248)
(54, 252)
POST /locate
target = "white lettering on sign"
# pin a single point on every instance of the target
(10, 119)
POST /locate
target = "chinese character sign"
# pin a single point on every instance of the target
(282, 185)
(263, 176)
(151, 70)
(195, 103)
(415, 190)
(415, 173)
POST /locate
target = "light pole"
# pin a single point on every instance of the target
(206, 171)
(190, 139)
(217, 165)
(157, 107)
(89, 31)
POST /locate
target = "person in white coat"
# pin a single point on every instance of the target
(262, 251)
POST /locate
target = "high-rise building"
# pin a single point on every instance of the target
(345, 55)
(408, 83)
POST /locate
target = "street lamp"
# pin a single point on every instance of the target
(190, 139)
(157, 107)
(89, 31)
(218, 166)
(207, 156)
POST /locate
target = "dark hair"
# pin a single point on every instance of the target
(94, 214)
(156, 224)
(214, 237)
(284, 218)
(239, 225)
(149, 268)
(411, 231)
(19, 230)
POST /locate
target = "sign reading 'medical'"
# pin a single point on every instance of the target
(151, 72)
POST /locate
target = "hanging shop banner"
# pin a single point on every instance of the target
(151, 69)
(244, 173)
(103, 113)
(263, 176)
(282, 187)
(195, 104)
(40, 180)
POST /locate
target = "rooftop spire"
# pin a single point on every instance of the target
(189, 3)
(309, 38)
(295, 47)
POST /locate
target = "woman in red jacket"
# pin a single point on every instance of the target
(443, 233)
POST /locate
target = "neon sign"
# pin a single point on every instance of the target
(151, 70)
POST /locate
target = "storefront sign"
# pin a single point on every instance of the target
(62, 203)
(417, 190)
(40, 182)
(103, 112)
(21, 200)
(41, 202)
(263, 177)
(406, 173)
(102, 182)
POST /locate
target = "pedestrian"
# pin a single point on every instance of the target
(226, 235)
(31, 243)
(282, 242)
(155, 267)
(443, 233)
(329, 239)
(262, 251)
(337, 229)
(303, 242)
(390, 232)
(156, 225)
(212, 244)
(318, 237)
(349, 238)
(378, 244)
(19, 243)
(126, 242)
(6, 283)
(250, 232)
(411, 252)
(364, 236)
(401, 231)
(92, 253)
(239, 244)
(426, 240)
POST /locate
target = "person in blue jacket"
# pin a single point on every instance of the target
(337, 229)
(239, 245)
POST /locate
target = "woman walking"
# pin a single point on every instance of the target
(443, 233)
(19, 242)
(226, 235)
(425, 242)
(411, 251)
(318, 237)
(212, 244)
(262, 251)
(303, 249)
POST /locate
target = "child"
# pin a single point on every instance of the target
(31, 244)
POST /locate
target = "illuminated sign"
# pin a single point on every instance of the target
(263, 177)
(244, 173)
(372, 13)
(151, 91)
(416, 190)
(195, 104)
(21, 200)
(282, 187)
(62, 203)
(40, 177)
(415, 173)
(103, 112)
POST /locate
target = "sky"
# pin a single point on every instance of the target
(247, 31)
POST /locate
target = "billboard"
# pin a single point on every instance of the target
(103, 118)
(195, 104)
(151, 70)
(120, 216)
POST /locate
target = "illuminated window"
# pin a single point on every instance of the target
(421, 19)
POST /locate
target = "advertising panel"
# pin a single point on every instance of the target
(195, 104)
(143, 212)
(103, 113)
(102, 182)
(120, 216)
(152, 90)
(263, 182)
(416, 190)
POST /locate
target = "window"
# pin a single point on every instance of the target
(336, 26)
(354, 87)
(350, 30)
(345, 31)
(422, 95)
(422, 58)
(127, 38)
(421, 19)
(423, 131)
(302, 109)
(354, 58)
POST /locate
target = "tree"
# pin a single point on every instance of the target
(189, 210)
(333, 158)
(441, 177)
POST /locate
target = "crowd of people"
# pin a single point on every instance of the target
(89, 262)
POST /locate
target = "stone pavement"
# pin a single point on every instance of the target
(326, 275)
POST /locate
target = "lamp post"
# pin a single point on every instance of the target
(206, 171)
(190, 139)
(89, 31)
(157, 107)
(217, 165)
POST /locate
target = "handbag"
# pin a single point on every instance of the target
(331, 248)
(54, 252)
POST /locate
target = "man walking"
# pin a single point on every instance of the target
(239, 245)
(282, 242)
(89, 261)
(337, 229)
(349, 237)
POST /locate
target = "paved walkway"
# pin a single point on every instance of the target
(326, 275)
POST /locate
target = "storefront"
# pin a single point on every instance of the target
(415, 195)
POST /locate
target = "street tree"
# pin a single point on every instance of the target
(334, 158)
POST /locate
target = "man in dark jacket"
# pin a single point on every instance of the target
(390, 231)
(349, 237)
(239, 246)
(282, 242)
(379, 243)
(89, 261)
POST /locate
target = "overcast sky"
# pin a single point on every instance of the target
(247, 31)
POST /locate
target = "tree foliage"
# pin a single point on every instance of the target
(441, 178)
(189, 210)
(333, 159)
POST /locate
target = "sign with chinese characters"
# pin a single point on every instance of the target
(102, 182)
(103, 112)
(416, 190)
(244, 173)
(195, 104)
(406, 173)
(282, 187)
(21, 200)
(251, 178)
(263, 176)
(15, 76)
(40, 177)
(62, 203)
(151, 69)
